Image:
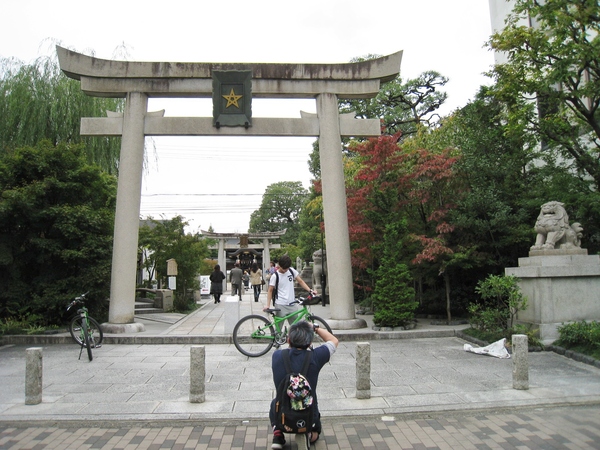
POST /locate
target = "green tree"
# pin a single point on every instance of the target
(311, 237)
(280, 209)
(403, 107)
(502, 184)
(551, 81)
(161, 240)
(56, 229)
(501, 301)
(393, 297)
(37, 101)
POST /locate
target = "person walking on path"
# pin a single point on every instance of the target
(281, 288)
(256, 280)
(235, 276)
(216, 283)
(246, 279)
(300, 339)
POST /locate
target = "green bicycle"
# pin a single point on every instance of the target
(254, 335)
(84, 329)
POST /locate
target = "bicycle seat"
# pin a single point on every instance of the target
(273, 310)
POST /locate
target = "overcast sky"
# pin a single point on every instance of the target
(218, 182)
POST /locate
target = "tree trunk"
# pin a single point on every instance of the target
(447, 283)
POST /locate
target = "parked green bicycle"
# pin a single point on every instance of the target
(254, 335)
(85, 330)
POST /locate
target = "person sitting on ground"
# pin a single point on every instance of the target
(300, 338)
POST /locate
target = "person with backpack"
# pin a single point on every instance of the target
(281, 287)
(296, 374)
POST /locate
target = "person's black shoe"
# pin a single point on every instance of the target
(278, 442)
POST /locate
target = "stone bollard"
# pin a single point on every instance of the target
(363, 370)
(520, 347)
(197, 373)
(33, 376)
(232, 313)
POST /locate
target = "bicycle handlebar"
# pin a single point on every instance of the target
(309, 299)
(77, 300)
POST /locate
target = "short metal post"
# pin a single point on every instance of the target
(197, 373)
(363, 370)
(520, 347)
(33, 376)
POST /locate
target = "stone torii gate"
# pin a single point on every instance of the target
(137, 81)
(266, 246)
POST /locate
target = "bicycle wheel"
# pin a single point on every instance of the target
(86, 340)
(94, 331)
(254, 335)
(322, 324)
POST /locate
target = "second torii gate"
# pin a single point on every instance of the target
(137, 81)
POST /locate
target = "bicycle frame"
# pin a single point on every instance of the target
(276, 323)
(254, 335)
(301, 314)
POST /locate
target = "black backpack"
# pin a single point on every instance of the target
(294, 408)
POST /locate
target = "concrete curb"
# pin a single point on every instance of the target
(218, 339)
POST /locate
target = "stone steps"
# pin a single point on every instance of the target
(146, 306)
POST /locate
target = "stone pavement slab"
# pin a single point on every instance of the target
(151, 382)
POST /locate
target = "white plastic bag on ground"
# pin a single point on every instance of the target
(496, 349)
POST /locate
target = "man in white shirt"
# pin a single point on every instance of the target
(281, 287)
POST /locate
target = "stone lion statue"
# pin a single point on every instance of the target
(553, 229)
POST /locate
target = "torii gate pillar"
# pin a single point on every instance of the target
(336, 215)
(127, 216)
(136, 81)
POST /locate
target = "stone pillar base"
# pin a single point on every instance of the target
(122, 328)
(561, 286)
(348, 324)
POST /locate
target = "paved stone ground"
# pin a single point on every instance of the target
(555, 428)
(426, 393)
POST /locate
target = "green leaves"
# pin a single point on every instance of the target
(280, 209)
(38, 102)
(403, 107)
(394, 297)
(551, 79)
(56, 226)
(161, 240)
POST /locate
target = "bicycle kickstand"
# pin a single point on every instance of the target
(80, 351)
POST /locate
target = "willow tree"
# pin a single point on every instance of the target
(38, 102)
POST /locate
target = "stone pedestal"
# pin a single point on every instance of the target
(232, 313)
(562, 286)
(164, 299)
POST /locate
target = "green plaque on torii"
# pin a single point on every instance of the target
(232, 98)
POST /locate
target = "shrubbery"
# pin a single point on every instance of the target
(501, 300)
(580, 334)
(394, 297)
(493, 318)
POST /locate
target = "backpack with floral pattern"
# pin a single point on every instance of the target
(294, 409)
